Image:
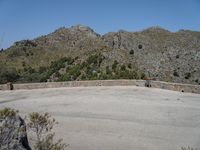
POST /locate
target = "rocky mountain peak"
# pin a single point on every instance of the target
(156, 29)
(83, 28)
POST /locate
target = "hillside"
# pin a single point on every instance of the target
(78, 53)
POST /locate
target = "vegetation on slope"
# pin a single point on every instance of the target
(68, 69)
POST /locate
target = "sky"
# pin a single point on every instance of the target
(28, 19)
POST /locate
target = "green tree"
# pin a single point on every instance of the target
(131, 52)
(8, 75)
(115, 63)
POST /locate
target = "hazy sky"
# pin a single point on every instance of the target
(27, 19)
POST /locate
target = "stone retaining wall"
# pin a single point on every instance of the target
(155, 84)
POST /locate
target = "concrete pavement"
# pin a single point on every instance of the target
(115, 118)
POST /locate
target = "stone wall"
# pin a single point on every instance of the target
(176, 86)
(154, 84)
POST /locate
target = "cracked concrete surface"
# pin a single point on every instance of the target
(115, 118)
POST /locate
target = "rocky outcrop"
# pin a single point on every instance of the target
(162, 55)
(13, 134)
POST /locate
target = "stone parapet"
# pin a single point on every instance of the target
(154, 84)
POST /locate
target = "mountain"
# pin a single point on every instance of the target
(78, 53)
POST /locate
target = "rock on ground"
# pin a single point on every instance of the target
(13, 134)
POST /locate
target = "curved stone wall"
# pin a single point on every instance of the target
(154, 84)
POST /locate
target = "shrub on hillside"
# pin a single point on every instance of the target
(8, 75)
(131, 52)
(93, 59)
(123, 67)
(143, 76)
(187, 75)
(56, 65)
(176, 73)
(115, 63)
(65, 77)
(74, 71)
(42, 69)
(129, 66)
(140, 46)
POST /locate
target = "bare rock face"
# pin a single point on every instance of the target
(13, 134)
(161, 54)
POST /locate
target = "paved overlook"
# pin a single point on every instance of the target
(115, 118)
